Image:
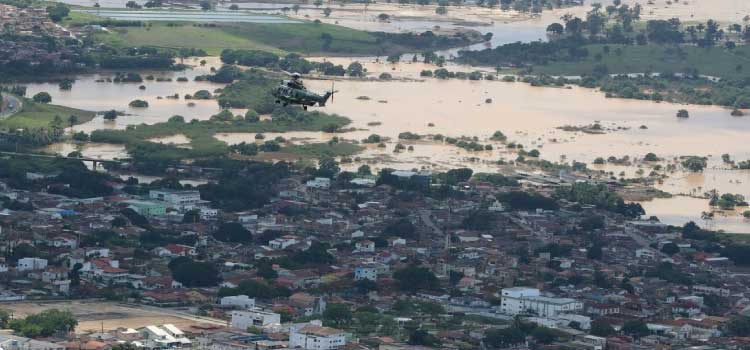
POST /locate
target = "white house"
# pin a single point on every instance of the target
(30, 264)
(366, 246)
(520, 300)
(314, 336)
(243, 319)
(242, 301)
(164, 336)
(283, 242)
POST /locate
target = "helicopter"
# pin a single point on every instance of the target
(293, 92)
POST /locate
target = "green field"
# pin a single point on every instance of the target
(279, 38)
(715, 61)
(210, 39)
(39, 115)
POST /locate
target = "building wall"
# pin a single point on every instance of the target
(308, 341)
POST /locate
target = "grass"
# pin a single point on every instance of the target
(39, 115)
(306, 37)
(280, 38)
(210, 39)
(715, 61)
(78, 18)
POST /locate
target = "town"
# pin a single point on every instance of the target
(350, 260)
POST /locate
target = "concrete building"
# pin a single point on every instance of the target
(243, 319)
(241, 301)
(164, 336)
(30, 264)
(521, 300)
(315, 337)
(366, 272)
(181, 200)
(147, 208)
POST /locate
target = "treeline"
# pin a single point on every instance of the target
(290, 63)
(81, 182)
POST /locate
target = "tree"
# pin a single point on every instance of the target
(355, 69)
(327, 11)
(421, 337)
(196, 274)
(670, 249)
(337, 315)
(636, 328)
(683, 113)
(739, 326)
(441, 10)
(205, 5)
(110, 115)
(57, 12)
(650, 157)
(414, 278)
(44, 324)
(600, 328)
(191, 216)
(42, 97)
(66, 84)
(544, 335)
(327, 167)
(364, 170)
(506, 337)
(555, 28)
(694, 164)
(232, 232)
(72, 120)
(4, 318)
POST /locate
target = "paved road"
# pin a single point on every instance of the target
(425, 214)
(13, 105)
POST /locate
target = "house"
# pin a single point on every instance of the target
(307, 304)
(255, 317)
(366, 246)
(12, 342)
(645, 253)
(30, 264)
(602, 309)
(164, 336)
(315, 337)
(241, 301)
(64, 241)
(283, 242)
(175, 250)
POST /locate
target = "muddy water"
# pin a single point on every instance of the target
(88, 94)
